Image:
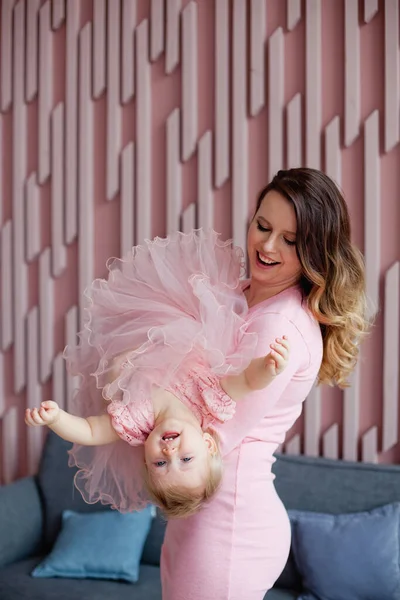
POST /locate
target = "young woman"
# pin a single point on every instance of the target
(307, 282)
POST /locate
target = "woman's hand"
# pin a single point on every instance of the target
(47, 414)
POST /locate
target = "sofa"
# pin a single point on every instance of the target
(31, 509)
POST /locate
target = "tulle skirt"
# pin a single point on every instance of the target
(169, 302)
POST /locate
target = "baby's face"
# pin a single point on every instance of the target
(177, 454)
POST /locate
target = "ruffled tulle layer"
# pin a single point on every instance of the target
(170, 302)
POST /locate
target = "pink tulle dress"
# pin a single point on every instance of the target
(176, 307)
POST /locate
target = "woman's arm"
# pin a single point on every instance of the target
(93, 431)
(255, 406)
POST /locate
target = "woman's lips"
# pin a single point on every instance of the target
(263, 264)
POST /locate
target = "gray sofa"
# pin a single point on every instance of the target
(30, 516)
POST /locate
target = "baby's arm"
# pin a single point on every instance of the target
(260, 372)
(93, 431)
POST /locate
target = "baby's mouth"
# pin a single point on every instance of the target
(169, 436)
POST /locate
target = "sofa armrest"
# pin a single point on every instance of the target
(21, 520)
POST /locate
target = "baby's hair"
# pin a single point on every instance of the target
(177, 502)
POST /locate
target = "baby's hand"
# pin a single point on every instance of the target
(47, 414)
(263, 370)
(276, 361)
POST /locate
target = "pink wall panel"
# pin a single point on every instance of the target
(172, 44)
(157, 28)
(99, 44)
(31, 72)
(143, 134)
(221, 92)
(57, 13)
(275, 101)
(313, 83)
(6, 53)
(258, 25)
(113, 96)
(6, 285)
(127, 198)
(189, 80)
(239, 123)
(127, 101)
(71, 119)
(19, 156)
(45, 89)
(173, 183)
(128, 50)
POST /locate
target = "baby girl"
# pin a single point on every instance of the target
(165, 352)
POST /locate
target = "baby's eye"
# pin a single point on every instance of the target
(160, 463)
(187, 459)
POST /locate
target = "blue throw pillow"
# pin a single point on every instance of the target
(348, 557)
(99, 545)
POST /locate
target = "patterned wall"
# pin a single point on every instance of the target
(125, 119)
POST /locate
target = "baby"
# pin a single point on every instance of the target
(182, 465)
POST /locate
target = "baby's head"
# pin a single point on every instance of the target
(183, 467)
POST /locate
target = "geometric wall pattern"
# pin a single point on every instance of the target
(125, 119)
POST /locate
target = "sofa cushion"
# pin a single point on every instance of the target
(342, 557)
(152, 548)
(56, 484)
(281, 595)
(16, 582)
(290, 577)
(103, 545)
(21, 521)
(334, 487)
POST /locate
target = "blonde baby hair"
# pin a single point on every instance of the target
(177, 502)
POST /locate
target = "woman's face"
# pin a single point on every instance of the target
(271, 244)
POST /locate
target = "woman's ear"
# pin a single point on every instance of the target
(210, 443)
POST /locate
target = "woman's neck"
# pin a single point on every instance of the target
(256, 293)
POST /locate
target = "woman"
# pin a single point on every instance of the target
(307, 282)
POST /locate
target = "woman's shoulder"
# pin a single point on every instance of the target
(288, 309)
(289, 304)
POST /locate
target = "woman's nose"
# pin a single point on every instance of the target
(270, 244)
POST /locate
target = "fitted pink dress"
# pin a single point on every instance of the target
(237, 546)
(175, 308)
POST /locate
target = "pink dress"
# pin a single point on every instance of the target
(237, 546)
(177, 306)
(196, 387)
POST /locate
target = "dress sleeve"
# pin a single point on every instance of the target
(257, 405)
(220, 406)
(131, 422)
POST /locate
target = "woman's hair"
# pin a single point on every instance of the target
(333, 278)
(180, 502)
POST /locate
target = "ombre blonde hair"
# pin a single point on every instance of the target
(178, 502)
(333, 274)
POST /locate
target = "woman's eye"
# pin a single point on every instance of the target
(160, 463)
(187, 459)
(290, 242)
(261, 228)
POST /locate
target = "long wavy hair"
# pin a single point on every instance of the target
(333, 274)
